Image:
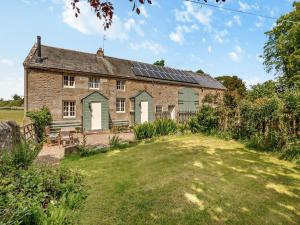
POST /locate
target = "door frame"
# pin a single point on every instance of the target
(95, 96)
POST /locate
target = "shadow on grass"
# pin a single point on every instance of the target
(191, 180)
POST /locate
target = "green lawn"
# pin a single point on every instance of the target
(16, 115)
(190, 179)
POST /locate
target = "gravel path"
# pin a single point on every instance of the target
(53, 154)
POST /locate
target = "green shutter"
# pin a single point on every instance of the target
(188, 99)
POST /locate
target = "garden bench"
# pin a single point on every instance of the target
(119, 125)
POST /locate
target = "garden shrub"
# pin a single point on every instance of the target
(32, 194)
(40, 118)
(291, 152)
(144, 131)
(22, 155)
(206, 120)
(194, 126)
(39, 195)
(183, 127)
(165, 127)
(114, 141)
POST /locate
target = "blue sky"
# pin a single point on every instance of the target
(186, 35)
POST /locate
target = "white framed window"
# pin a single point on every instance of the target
(121, 85)
(94, 83)
(132, 105)
(69, 81)
(69, 109)
(120, 105)
(159, 109)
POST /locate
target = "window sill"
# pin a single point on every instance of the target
(120, 112)
(69, 86)
(69, 117)
(93, 88)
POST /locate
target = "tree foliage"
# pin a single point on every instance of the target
(159, 63)
(40, 118)
(17, 101)
(236, 89)
(200, 71)
(267, 89)
(104, 9)
(282, 50)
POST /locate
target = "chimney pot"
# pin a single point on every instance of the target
(100, 52)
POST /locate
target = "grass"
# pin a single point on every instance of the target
(16, 115)
(190, 179)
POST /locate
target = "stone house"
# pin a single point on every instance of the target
(99, 91)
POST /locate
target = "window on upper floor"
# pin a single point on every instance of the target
(159, 109)
(121, 85)
(69, 81)
(120, 105)
(69, 109)
(94, 83)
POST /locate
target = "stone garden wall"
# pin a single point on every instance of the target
(9, 134)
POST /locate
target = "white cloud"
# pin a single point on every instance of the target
(220, 35)
(6, 62)
(235, 20)
(143, 11)
(237, 54)
(182, 16)
(260, 22)
(209, 49)
(178, 35)
(244, 6)
(132, 24)
(88, 23)
(201, 15)
(153, 47)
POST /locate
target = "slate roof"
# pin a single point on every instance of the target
(59, 59)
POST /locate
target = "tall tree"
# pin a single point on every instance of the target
(16, 97)
(282, 50)
(104, 9)
(160, 63)
(267, 89)
(236, 90)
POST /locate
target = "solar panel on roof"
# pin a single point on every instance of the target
(163, 73)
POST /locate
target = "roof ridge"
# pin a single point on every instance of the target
(67, 49)
(128, 60)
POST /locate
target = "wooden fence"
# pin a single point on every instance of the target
(28, 132)
(184, 116)
(163, 115)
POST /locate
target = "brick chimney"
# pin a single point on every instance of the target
(100, 53)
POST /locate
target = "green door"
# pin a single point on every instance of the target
(88, 106)
(143, 101)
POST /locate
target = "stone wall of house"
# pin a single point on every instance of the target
(9, 134)
(46, 88)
